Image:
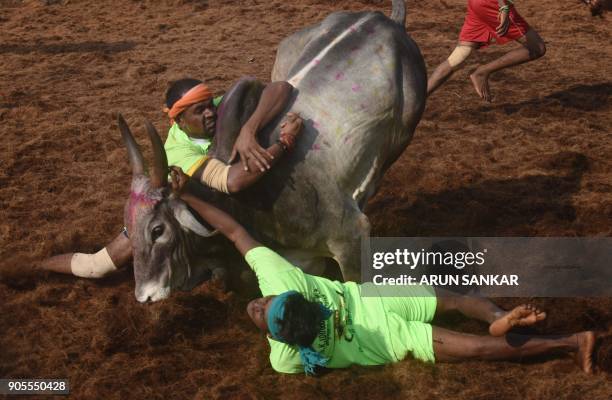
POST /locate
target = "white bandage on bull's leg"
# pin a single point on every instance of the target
(215, 175)
(92, 265)
(459, 55)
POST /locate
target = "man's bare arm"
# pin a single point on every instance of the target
(273, 100)
(217, 218)
(237, 177)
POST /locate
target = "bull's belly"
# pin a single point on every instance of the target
(350, 154)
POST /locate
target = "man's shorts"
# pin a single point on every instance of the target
(408, 318)
(481, 21)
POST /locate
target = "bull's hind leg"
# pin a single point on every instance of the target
(345, 247)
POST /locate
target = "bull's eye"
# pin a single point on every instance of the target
(157, 232)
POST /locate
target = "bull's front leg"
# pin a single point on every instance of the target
(346, 246)
(308, 261)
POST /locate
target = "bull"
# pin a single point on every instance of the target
(360, 86)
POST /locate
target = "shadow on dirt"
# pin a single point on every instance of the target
(62, 48)
(490, 207)
(594, 97)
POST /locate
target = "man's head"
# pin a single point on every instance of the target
(190, 104)
(258, 311)
(288, 317)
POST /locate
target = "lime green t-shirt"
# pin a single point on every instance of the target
(185, 152)
(358, 333)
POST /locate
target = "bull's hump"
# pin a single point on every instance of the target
(333, 35)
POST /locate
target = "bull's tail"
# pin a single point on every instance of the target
(398, 14)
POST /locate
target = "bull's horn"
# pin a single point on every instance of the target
(159, 174)
(134, 154)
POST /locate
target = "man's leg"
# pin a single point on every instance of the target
(532, 48)
(483, 309)
(115, 255)
(453, 63)
(452, 346)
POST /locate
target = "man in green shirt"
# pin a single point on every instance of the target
(312, 322)
(192, 109)
(185, 151)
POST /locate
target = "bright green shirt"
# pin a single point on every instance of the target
(184, 151)
(359, 332)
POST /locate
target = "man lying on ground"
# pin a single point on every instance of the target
(314, 323)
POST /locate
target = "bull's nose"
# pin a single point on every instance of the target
(142, 298)
(150, 292)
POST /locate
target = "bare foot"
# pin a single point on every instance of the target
(481, 84)
(596, 7)
(523, 315)
(584, 355)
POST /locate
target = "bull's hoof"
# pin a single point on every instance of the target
(220, 279)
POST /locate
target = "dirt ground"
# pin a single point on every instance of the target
(535, 162)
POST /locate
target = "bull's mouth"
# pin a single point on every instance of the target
(150, 293)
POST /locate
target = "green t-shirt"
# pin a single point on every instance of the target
(357, 333)
(184, 151)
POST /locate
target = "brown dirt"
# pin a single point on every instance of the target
(535, 162)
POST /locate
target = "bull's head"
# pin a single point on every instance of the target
(160, 226)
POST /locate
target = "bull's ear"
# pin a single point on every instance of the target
(188, 221)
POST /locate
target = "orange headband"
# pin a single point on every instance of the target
(196, 94)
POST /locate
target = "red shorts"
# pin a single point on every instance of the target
(481, 21)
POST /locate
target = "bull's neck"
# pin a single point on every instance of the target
(247, 208)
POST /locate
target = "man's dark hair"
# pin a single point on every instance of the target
(301, 320)
(178, 88)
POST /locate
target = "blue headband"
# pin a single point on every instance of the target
(310, 358)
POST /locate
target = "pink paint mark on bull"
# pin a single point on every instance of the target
(316, 61)
(340, 76)
(139, 200)
(353, 29)
(356, 87)
(316, 147)
(316, 125)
